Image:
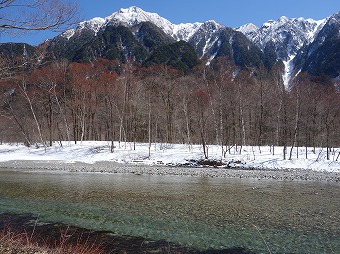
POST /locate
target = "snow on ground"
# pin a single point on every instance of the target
(173, 154)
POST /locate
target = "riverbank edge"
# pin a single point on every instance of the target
(142, 169)
(24, 233)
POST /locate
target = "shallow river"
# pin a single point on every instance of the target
(263, 216)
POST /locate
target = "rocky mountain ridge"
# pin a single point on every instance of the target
(303, 45)
(287, 34)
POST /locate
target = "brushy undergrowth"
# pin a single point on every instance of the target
(14, 241)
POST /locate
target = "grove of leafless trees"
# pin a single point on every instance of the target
(217, 104)
(106, 100)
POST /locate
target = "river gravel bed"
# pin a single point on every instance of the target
(140, 169)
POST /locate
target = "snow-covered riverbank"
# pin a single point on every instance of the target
(174, 159)
(173, 155)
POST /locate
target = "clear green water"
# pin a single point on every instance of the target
(283, 217)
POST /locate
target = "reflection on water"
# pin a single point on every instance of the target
(285, 217)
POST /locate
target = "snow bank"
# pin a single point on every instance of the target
(174, 154)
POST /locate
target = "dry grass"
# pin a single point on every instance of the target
(16, 242)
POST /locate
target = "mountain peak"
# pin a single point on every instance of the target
(134, 15)
(132, 9)
(212, 24)
(283, 19)
(248, 28)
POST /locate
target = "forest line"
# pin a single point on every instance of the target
(217, 104)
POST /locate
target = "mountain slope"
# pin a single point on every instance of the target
(322, 56)
(128, 33)
(14, 50)
(135, 33)
(303, 45)
(287, 35)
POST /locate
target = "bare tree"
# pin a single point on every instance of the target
(201, 100)
(23, 90)
(35, 15)
(297, 122)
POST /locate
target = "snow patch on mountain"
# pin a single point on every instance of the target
(185, 31)
(93, 25)
(319, 25)
(235, 73)
(206, 38)
(289, 68)
(68, 34)
(208, 46)
(211, 42)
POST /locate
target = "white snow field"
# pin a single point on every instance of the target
(175, 154)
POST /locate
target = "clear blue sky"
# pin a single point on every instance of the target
(232, 13)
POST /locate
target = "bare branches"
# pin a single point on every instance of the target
(35, 15)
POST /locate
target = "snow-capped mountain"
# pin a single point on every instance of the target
(137, 33)
(133, 16)
(321, 56)
(209, 39)
(287, 34)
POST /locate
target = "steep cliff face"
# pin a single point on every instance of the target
(285, 34)
(304, 45)
(322, 56)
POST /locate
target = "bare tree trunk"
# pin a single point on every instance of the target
(111, 131)
(221, 124)
(121, 126)
(50, 127)
(278, 124)
(327, 138)
(63, 115)
(297, 119)
(261, 115)
(187, 121)
(82, 119)
(23, 89)
(204, 145)
(149, 127)
(241, 116)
